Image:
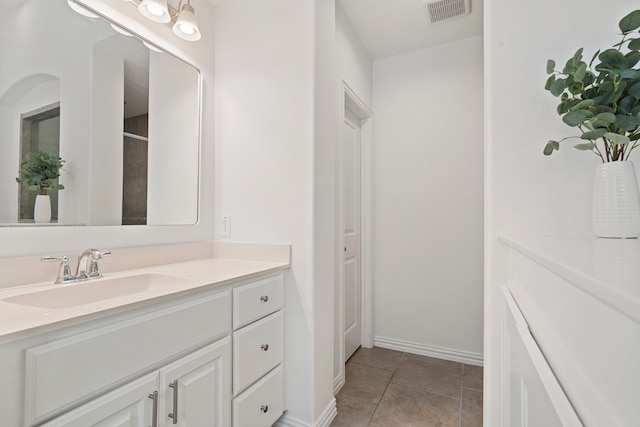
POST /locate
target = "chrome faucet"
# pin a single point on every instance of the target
(64, 272)
(88, 267)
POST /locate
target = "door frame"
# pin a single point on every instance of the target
(349, 99)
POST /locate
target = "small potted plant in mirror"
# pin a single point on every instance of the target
(40, 174)
(602, 100)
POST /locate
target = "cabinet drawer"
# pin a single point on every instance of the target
(257, 349)
(262, 404)
(69, 371)
(256, 300)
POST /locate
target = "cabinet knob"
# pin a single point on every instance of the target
(264, 298)
(265, 347)
(264, 408)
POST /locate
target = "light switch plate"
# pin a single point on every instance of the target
(226, 226)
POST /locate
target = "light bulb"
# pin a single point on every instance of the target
(154, 10)
(187, 29)
(186, 26)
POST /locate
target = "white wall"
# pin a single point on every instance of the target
(428, 200)
(355, 68)
(274, 94)
(70, 240)
(353, 63)
(325, 246)
(526, 191)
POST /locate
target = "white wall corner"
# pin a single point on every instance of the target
(338, 383)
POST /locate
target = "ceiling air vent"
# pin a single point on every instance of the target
(444, 10)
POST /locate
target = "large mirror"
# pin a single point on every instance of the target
(123, 115)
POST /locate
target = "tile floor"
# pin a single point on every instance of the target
(387, 388)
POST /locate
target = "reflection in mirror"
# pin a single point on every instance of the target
(124, 118)
(40, 132)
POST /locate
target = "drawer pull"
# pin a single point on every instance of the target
(264, 408)
(154, 416)
(265, 347)
(264, 298)
(174, 414)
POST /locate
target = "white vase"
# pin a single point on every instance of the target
(42, 209)
(616, 203)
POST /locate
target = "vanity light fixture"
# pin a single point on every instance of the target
(182, 21)
(81, 10)
(186, 26)
(155, 10)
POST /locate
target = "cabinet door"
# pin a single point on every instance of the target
(128, 406)
(195, 391)
(531, 395)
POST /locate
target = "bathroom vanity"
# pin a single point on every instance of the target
(197, 343)
(570, 332)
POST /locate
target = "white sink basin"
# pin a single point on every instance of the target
(91, 291)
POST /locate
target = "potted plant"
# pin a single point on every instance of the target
(39, 174)
(602, 100)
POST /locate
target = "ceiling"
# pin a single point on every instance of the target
(391, 27)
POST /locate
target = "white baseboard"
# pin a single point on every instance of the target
(324, 420)
(338, 382)
(469, 358)
(328, 415)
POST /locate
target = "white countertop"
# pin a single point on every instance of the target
(191, 276)
(607, 269)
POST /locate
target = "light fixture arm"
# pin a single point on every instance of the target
(177, 11)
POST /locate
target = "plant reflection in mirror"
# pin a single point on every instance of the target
(41, 172)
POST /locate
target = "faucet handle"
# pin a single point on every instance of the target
(64, 272)
(99, 254)
(93, 269)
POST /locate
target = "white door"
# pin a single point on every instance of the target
(351, 213)
(196, 390)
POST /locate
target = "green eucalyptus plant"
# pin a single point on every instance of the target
(40, 173)
(602, 98)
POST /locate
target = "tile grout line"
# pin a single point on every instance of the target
(383, 393)
(394, 371)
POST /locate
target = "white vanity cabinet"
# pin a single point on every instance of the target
(130, 405)
(62, 373)
(193, 391)
(531, 394)
(258, 353)
(570, 332)
(172, 362)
